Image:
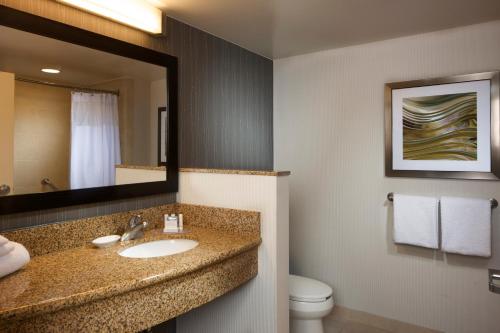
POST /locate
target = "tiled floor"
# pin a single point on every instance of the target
(350, 327)
(343, 320)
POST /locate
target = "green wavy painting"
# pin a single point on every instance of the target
(441, 127)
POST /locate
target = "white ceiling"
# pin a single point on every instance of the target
(282, 28)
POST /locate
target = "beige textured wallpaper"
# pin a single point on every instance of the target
(7, 129)
(329, 131)
(41, 137)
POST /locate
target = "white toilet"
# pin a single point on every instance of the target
(310, 300)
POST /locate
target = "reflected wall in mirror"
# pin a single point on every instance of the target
(73, 117)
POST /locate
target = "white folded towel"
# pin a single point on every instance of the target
(416, 220)
(14, 260)
(466, 226)
(6, 248)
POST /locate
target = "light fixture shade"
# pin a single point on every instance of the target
(136, 13)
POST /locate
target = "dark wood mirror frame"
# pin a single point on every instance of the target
(41, 26)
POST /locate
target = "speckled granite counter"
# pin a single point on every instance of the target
(238, 172)
(83, 288)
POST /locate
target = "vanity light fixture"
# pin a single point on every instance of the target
(51, 70)
(139, 14)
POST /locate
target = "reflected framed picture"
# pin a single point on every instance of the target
(443, 128)
(162, 136)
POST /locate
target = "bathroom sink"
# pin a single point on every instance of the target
(159, 248)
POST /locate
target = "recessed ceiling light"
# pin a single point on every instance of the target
(51, 70)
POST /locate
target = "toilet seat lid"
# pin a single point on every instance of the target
(304, 289)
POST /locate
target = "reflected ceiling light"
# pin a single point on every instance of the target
(139, 14)
(51, 70)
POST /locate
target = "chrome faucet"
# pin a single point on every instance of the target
(136, 230)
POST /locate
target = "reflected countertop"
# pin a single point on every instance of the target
(141, 167)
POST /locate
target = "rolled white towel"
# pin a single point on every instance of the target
(6, 248)
(14, 260)
(3, 240)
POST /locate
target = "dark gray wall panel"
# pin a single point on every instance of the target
(226, 102)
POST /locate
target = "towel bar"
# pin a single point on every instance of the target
(494, 202)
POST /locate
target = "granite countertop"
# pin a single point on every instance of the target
(238, 172)
(75, 276)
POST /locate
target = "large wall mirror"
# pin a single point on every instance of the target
(83, 117)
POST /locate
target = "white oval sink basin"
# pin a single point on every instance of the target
(159, 248)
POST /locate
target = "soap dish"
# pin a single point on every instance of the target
(106, 241)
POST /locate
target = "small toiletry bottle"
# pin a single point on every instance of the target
(165, 222)
(181, 223)
(172, 222)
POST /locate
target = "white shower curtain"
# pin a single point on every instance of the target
(95, 139)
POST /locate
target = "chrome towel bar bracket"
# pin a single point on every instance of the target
(494, 202)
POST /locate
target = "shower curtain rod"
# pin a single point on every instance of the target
(82, 89)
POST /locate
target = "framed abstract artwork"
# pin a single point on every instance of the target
(443, 128)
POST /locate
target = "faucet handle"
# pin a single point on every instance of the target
(135, 220)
